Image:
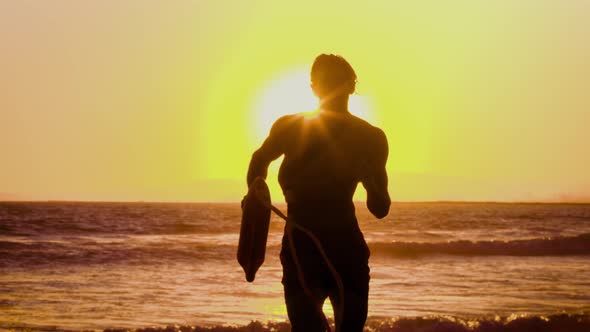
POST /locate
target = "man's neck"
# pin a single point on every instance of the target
(336, 104)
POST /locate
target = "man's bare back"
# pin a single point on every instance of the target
(327, 154)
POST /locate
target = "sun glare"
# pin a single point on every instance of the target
(288, 93)
(285, 94)
(327, 308)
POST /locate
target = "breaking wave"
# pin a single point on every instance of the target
(516, 323)
(557, 246)
(563, 322)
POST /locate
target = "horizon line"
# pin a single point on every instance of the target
(282, 202)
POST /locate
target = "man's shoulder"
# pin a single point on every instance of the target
(288, 118)
(378, 134)
(284, 121)
(373, 132)
(284, 124)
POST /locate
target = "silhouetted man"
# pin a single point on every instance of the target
(327, 154)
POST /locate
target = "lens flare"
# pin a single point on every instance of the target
(290, 92)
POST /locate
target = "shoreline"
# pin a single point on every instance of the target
(571, 322)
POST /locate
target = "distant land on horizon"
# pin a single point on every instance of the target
(555, 199)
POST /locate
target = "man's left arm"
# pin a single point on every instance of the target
(375, 182)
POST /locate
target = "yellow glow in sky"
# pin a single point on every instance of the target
(128, 100)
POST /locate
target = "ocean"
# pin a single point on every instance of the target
(95, 266)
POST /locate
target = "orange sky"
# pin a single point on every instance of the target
(166, 100)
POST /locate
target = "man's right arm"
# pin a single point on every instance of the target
(271, 149)
(375, 180)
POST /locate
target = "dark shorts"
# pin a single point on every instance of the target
(348, 252)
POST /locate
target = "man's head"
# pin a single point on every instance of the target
(332, 76)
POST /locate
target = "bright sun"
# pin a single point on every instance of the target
(290, 93)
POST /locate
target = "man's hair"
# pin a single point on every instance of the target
(332, 74)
